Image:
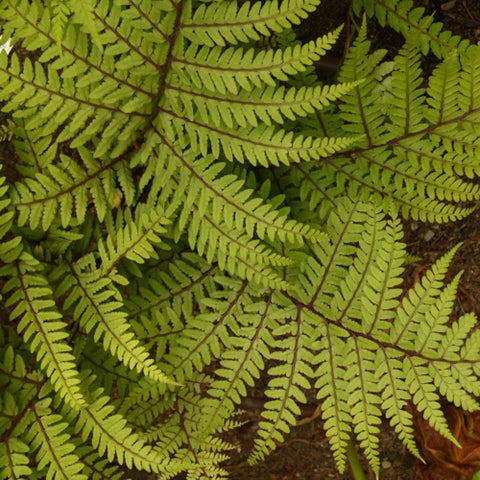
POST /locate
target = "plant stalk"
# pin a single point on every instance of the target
(354, 461)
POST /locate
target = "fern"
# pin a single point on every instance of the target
(403, 16)
(190, 209)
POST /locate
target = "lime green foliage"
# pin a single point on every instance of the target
(192, 210)
(404, 17)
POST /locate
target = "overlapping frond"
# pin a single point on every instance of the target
(242, 363)
(112, 438)
(54, 447)
(134, 237)
(10, 247)
(417, 148)
(41, 325)
(247, 21)
(290, 378)
(94, 303)
(411, 21)
(205, 336)
(228, 70)
(61, 194)
(377, 354)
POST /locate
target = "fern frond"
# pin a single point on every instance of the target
(411, 21)
(98, 311)
(242, 364)
(113, 438)
(286, 389)
(258, 106)
(62, 192)
(54, 447)
(239, 208)
(395, 396)
(414, 153)
(60, 13)
(405, 327)
(252, 21)
(83, 13)
(35, 151)
(193, 205)
(31, 297)
(375, 354)
(405, 109)
(363, 397)
(206, 335)
(14, 462)
(229, 70)
(134, 238)
(10, 248)
(264, 145)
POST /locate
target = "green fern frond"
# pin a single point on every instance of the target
(193, 209)
(286, 389)
(64, 191)
(240, 209)
(411, 21)
(206, 335)
(349, 311)
(96, 467)
(60, 13)
(31, 298)
(13, 459)
(414, 152)
(229, 70)
(242, 364)
(264, 145)
(53, 446)
(258, 106)
(35, 151)
(405, 107)
(83, 13)
(367, 96)
(113, 438)
(384, 352)
(98, 311)
(252, 21)
(405, 327)
(134, 237)
(10, 248)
